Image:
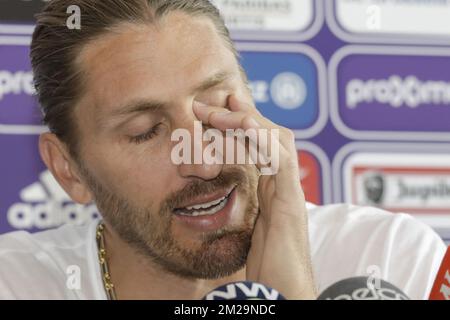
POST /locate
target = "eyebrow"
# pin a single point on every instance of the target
(141, 106)
(138, 107)
(213, 81)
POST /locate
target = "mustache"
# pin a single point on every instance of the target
(235, 176)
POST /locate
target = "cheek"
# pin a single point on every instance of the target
(146, 183)
(141, 177)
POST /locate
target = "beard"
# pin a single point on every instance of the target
(219, 254)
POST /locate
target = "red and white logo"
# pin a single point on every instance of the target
(441, 287)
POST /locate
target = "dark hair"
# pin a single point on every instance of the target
(55, 48)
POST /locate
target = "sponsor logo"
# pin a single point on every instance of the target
(272, 19)
(385, 93)
(287, 86)
(372, 294)
(244, 290)
(315, 175)
(310, 177)
(374, 185)
(412, 183)
(19, 108)
(377, 21)
(20, 82)
(287, 90)
(396, 92)
(398, 189)
(44, 204)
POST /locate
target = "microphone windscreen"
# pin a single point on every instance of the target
(362, 288)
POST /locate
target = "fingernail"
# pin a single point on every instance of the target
(200, 105)
(222, 113)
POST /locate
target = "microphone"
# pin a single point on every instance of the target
(362, 288)
(244, 290)
(357, 288)
(441, 287)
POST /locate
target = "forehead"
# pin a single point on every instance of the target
(161, 60)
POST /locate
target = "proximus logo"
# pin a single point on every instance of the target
(16, 83)
(397, 92)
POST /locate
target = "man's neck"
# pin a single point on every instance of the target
(136, 277)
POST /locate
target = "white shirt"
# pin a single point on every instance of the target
(346, 241)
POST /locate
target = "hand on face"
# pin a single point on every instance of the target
(279, 255)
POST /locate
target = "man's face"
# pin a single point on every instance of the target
(141, 83)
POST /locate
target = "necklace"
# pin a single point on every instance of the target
(104, 268)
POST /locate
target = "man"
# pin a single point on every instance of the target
(112, 94)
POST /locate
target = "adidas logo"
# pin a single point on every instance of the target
(44, 204)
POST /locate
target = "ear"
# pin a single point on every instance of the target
(58, 160)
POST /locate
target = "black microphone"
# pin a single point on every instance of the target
(362, 288)
(244, 290)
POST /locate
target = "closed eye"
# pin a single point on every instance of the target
(150, 134)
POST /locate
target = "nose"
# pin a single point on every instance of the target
(195, 166)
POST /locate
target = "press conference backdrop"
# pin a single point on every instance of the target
(364, 84)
